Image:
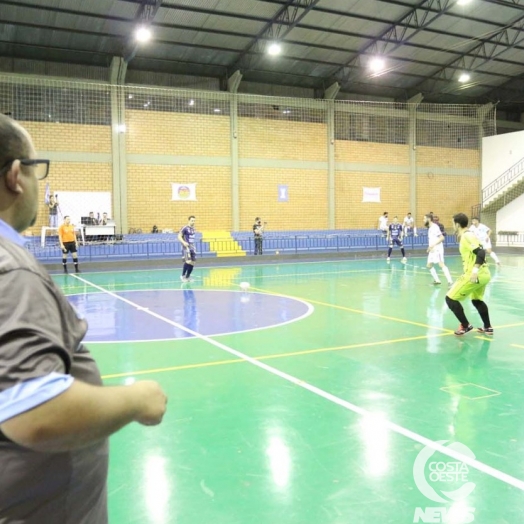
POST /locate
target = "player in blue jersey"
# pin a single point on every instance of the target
(395, 237)
(186, 237)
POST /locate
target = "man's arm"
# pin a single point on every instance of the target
(60, 241)
(181, 239)
(84, 415)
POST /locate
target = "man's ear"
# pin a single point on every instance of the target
(12, 178)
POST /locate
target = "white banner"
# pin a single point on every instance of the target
(184, 192)
(371, 194)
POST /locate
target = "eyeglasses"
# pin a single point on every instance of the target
(40, 166)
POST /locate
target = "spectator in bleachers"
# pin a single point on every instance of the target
(383, 223)
(92, 220)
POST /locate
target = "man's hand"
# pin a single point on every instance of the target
(152, 402)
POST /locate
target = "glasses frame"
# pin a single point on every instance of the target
(30, 162)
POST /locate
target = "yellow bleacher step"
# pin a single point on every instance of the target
(223, 244)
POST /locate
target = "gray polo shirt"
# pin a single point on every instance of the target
(41, 353)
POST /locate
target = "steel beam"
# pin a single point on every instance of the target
(285, 19)
(481, 54)
(398, 33)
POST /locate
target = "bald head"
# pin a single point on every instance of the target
(14, 140)
(18, 184)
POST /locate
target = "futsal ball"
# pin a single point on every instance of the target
(277, 252)
(244, 285)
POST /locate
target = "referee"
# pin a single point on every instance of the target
(68, 243)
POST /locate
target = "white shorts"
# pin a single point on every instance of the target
(486, 244)
(436, 256)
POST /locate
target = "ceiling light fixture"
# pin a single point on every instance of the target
(377, 65)
(464, 77)
(143, 34)
(274, 49)
(463, 2)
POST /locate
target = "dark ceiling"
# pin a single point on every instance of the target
(426, 44)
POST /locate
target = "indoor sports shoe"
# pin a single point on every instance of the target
(437, 283)
(183, 279)
(463, 330)
(404, 260)
(486, 331)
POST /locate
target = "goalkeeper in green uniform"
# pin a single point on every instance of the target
(474, 280)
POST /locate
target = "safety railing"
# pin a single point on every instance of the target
(503, 180)
(125, 249)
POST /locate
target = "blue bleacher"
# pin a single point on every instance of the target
(158, 246)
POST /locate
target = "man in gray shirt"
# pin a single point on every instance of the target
(55, 415)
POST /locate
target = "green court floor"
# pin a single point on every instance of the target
(345, 414)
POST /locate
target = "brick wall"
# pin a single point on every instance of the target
(446, 195)
(149, 197)
(282, 140)
(307, 206)
(162, 133)
(70, 137)
(351, 212)
(448, 158)
(371, 153)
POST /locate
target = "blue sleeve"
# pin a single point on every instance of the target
(31, 393)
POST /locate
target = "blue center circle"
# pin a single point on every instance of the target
(132, 316)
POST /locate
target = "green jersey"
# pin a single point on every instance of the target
(468, 243)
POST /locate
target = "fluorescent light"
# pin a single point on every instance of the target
(143, 34)
(464, 77)
(274, 49)
(217, 110)
(191, 102)
(377, 64)
(121, 128)
(129, 96)
(463, 2)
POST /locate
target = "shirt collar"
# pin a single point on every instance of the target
(8, 232)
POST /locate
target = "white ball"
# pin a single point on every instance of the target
(277, 252)
(244, 285)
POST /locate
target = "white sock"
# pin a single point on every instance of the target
(447, 274)
(494, 257)
(433, 272)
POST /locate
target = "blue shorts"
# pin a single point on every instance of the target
(396, 241)
(189, 253)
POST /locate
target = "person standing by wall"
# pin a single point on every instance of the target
(68, 243)
(53, 211)
(258, 234)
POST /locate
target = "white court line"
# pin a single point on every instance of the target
(474, 463)
(232, 266)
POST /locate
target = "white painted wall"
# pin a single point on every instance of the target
(511, 217)
(499, 153)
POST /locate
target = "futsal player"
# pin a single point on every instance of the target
(394, 237)
(436, 250)
(186, 237)
(474, 280)
(68, 243)
(483, 233)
